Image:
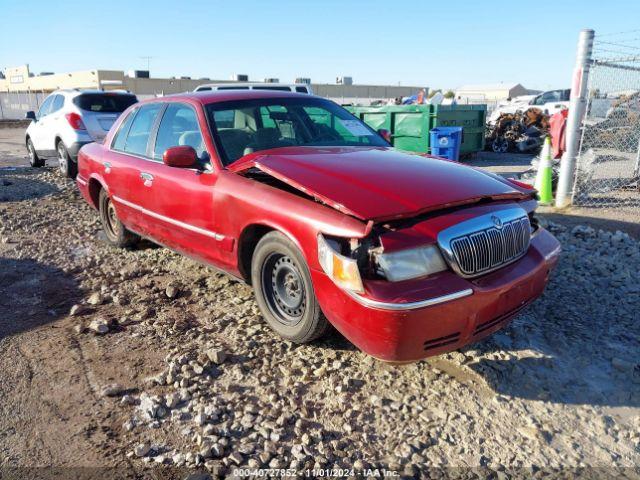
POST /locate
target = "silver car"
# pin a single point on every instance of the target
(69, 119)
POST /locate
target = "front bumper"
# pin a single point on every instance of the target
(408, 321)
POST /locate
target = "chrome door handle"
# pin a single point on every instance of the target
(107, 167)
(147, 177)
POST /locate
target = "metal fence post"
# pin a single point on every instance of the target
(577, 108)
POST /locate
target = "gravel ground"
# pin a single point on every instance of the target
(144, 358)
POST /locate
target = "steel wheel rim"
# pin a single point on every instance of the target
(111, 219)
(283, 289)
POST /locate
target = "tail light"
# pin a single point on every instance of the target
(75, 121)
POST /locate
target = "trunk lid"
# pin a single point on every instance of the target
(98, 124)
(378, 183)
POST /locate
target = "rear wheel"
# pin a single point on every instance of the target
(114, 230)
(68, 168)
(284, 291)
(34, 160)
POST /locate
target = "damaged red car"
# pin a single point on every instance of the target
(406, 255)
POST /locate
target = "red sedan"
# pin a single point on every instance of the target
(406, 255)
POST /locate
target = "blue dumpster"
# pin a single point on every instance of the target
(446, 141)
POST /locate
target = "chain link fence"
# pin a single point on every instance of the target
(609, 154)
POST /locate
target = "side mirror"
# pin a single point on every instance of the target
(30, 115)
(181, 157)
(386, 134)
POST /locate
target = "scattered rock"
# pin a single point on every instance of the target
(216, 355)
(142, 450)
(95, 299)
(172, 291)
(622, 365)
(99, 326)
(77, 309)
(112, 390)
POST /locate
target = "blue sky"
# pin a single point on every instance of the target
(441, 44)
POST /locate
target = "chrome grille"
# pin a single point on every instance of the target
(486, 243)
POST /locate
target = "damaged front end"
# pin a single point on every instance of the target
(404, 245)
(465, 242)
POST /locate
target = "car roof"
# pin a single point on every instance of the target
(215, 96)
(253, 84)
(73, 92)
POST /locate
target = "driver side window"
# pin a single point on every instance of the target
(178, 127)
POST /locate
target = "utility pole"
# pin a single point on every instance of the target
(148, 59)
(577, 109)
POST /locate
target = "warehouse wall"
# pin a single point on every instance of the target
(364, 94)
(18, 79)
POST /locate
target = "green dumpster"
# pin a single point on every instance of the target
(470, 117)
(410, 124)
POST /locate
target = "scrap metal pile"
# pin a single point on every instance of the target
(520, 131)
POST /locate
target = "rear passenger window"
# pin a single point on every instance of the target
(302, 90)
(121, 135)
(138, 135)
(58, 102)
(179, 126)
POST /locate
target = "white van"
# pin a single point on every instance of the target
(294, 87)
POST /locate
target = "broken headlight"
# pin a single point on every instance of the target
(413, 263)
(342, 270)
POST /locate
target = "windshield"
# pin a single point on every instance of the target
(246, 126)
(104, 102)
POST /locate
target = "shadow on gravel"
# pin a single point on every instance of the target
(578, 343)
(33, 294)
(524, 378)
(15, 185)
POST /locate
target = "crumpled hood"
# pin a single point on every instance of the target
(378, 183)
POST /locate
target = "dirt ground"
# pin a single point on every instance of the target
(143, 364)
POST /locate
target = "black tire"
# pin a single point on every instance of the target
(500, 145)
(34, 160)
(68, 168)
(114, 230)
(284, 292)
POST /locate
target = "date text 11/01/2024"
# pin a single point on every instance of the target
(315, 473)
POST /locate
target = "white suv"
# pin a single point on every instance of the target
(69, 119)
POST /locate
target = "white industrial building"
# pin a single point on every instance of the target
(491, 92)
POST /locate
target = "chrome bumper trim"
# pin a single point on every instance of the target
(553, 253)
(367, 302)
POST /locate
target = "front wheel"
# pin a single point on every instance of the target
(115, 231)
(68, 168)
(284, 291)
